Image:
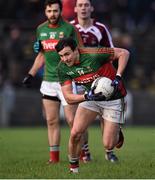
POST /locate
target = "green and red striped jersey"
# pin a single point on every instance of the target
(93, 63)
(49, 36)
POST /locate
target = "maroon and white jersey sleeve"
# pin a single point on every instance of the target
(95, 35)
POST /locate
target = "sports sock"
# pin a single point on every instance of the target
(74, 163)
(86, 149)
(54, 153)
(109, 151)
(82, 153)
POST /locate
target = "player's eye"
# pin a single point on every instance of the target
(79, 5)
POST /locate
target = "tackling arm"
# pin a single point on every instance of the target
(69, 96)
(122, 55)
(38, 63)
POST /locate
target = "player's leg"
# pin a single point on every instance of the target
(69, 115)
(110, 139)
(82, 120)
(112, 135)
(85, 155)
(69, 111)
(51, 105)
(51, 109)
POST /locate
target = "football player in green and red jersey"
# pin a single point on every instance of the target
(48, 35)
(93, 34)
(83, 65)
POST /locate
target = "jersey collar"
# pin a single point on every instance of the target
(77, 22)
(55, 25)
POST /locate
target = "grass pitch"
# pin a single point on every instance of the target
(24, 152)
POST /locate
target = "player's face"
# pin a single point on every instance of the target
(53, 13)
(68, 56)
(83, 9)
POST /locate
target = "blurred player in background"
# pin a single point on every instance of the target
(83, 65)
(48, 35)
(68, 9)
(94, 34)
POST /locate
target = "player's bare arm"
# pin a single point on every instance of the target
(122, 55)
(38, 63)
(69, 96)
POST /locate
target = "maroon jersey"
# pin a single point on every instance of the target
(96, 35)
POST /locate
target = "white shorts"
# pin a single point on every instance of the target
(53, 89)
(113, 111)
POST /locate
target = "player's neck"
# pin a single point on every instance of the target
(85, 23)
(77, 61)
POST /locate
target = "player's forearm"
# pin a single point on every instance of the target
(38, 63)
(74, 98)
(122, 61)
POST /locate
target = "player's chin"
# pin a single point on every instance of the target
(69, 64)
(53, 21)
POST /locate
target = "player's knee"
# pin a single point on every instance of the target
(70, 119)
(52, 122)
(70, 122)
(108, 144)
(75, 136)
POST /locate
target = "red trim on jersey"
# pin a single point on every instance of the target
(67, 82)
(84, 79)
(107, 70)
(97, 51)
(77, 63)
(53, 25)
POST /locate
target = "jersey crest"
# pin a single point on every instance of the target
(52, 35)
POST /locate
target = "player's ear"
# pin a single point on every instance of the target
(92, 8)
(76, 51)
(75, 9)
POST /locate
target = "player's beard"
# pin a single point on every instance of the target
(54, 21)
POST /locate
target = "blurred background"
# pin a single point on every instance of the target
(132, 26)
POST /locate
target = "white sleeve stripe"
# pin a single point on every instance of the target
(72, 22)
(108, 34)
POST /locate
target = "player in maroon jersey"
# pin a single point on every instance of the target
(93, 33)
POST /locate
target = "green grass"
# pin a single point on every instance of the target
(24, 152)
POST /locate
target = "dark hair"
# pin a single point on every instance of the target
(89, 1)
(49, 2)
(66, 42)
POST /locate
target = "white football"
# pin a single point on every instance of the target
(103, 85)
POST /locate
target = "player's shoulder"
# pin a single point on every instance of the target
(61, 67)
(96, 50)
(73, 21)
(67, 23)
(86, 50)
(99, 24)
(43, 24)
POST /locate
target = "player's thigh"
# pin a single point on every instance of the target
(83, 118)
(51, 109)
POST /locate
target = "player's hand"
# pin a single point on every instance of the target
(90, 96)
(37, 46)
(27, 81)
(116, 82)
